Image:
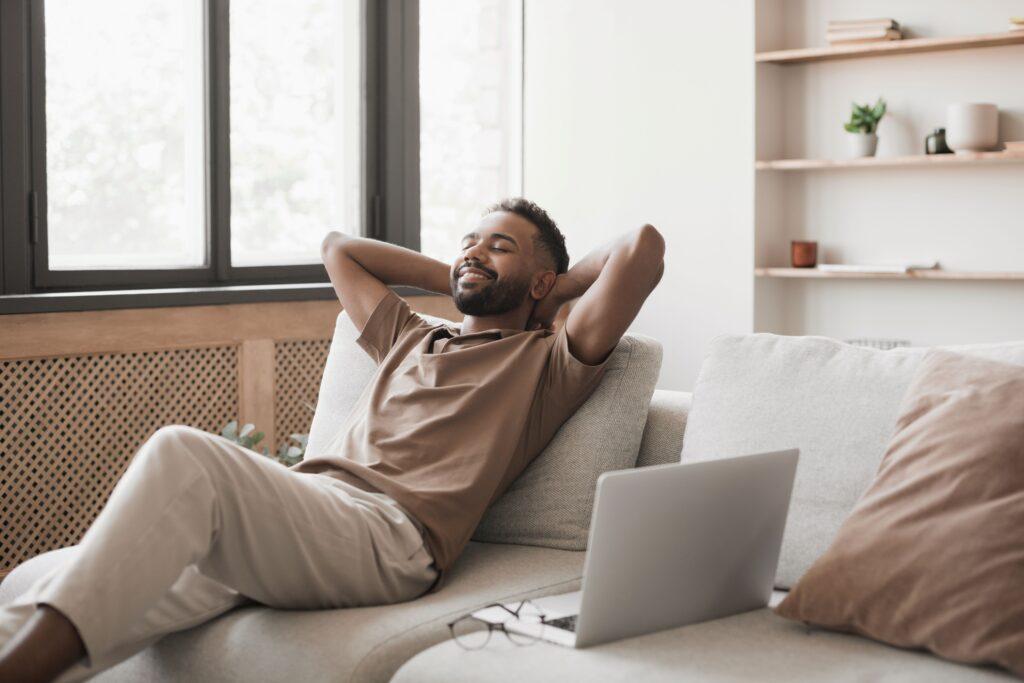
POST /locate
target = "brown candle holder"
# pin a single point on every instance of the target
(803, 254)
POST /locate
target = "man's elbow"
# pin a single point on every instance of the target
(332, 243)
(650, 243)
(647, 251)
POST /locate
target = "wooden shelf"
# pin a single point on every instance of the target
(936, 274)
(890, 47)
(933, 160)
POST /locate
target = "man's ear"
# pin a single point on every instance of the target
(542, 284)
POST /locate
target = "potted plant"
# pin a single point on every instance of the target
(248, 437)
(863, 123)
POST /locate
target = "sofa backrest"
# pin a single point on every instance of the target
(550, 503)
(662, 442)
(838, 403)
(347, 371)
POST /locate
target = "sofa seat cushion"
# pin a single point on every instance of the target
(754, 646)
(255, 643)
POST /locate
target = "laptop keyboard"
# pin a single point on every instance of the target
(566, 623)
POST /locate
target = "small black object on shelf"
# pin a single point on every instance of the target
(936, 143)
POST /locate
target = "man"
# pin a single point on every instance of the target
(199, 525)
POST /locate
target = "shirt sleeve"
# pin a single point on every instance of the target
(385, 325)
(567, 383)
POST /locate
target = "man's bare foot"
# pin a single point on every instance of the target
(46, 646)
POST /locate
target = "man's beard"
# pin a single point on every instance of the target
(498, 296)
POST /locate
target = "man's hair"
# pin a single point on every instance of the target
(549, 237)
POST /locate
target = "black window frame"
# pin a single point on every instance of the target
(390, 173)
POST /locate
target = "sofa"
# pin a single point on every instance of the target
(755, 392)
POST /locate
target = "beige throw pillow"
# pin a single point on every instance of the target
(932, 556)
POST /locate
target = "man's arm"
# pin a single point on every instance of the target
(613, 282)
(361, 270)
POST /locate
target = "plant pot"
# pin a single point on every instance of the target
(972, 127)
(862, 144)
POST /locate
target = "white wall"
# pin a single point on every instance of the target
(642, 111)
(967, 217)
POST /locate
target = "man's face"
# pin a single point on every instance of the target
(495, 267)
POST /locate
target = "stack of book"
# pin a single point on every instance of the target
(841, 32)
(1017, 23)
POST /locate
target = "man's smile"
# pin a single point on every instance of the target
(473, 274)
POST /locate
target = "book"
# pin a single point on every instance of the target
(858, 24)
(866, 36)
(903, 267)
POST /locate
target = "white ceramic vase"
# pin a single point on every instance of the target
(972, 126)
(862, 144)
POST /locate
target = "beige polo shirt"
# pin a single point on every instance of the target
(448, 421)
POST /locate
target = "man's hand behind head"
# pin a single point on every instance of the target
(550, 312)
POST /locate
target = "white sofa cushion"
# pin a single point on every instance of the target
(838, 403)
(666, 423)
(346, 373)
(550, 503)
(754, 647)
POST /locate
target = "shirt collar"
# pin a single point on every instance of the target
(453, 331)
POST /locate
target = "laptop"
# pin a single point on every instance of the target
(672, 545)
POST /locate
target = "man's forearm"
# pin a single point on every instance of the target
(581, 276)
(391, 264)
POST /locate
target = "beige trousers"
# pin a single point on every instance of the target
(198, 525)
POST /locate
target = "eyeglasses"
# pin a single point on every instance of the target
(472, 633)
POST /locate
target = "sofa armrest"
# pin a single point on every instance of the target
(666, 422)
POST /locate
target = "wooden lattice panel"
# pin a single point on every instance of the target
(70, 425)
(298, 367)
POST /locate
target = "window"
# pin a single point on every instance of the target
(185, 146)
(470, 115)
(183, 143)
(295, 124)
(124, 134)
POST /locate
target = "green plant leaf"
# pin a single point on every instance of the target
(257, 437)
(864, 118)
(879, 111)
(230, 430)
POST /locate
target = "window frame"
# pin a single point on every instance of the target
(390, 173)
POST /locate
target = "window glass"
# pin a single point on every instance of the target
(471, 61)
(124, 134)
(295, 127)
